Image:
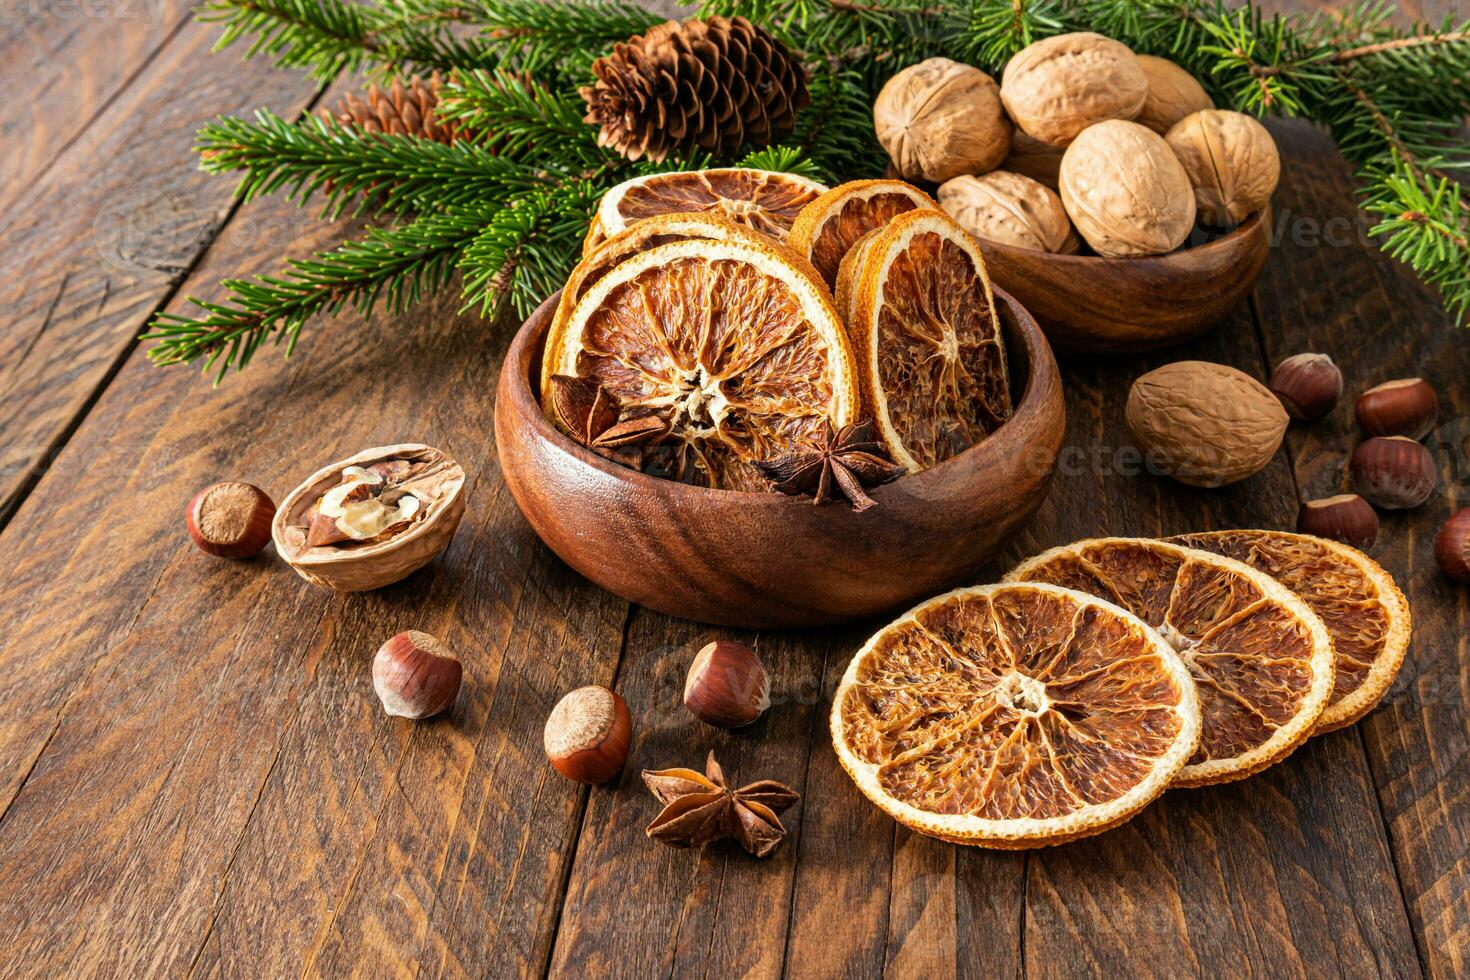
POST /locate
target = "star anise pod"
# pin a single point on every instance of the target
(843, 462)
(592, 414)
(699, 809)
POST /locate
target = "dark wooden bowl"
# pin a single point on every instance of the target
(766, 560)
(1088, 304)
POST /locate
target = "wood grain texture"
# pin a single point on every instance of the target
(99, 239)
(1379, 323)
(722, 557)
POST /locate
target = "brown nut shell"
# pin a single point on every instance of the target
(1125, 190)
(1393, 472)
(1232, 163)
(372, 564)
(1404, 407)
(1346, 518)
(1010, 209)
(939, 119)
(1452, 546)
(1173, 93)
(1056, 88)
(1205, 424)
(1308, 385)
(1032, 158)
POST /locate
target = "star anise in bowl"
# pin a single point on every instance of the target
(700, 809)
(842, 462)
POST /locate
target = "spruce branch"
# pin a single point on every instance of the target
(523, 116)
(541, 34)
(395, 265)
(382, 172)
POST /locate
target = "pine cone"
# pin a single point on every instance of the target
(717, 84)
(398, 111)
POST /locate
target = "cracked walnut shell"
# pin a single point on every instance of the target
(1205, 424)
(1126, 191)
(369, 550)
(939, 119)
(1010, 209)
(1232, 163)
(1056, 88)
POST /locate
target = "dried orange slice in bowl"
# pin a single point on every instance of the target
(764, 200)
(931, 360)
(832, 224)
(734, 345)
(1261, 658)
(649, 233)
(1365, 613)
(1015, 715)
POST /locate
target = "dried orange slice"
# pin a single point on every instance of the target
(1261, 658)
(924, 329)
(1365, 613)
(761, 199)
(649, 233)
(850, 271)
(1014, 715)
(832, 224)
(733, 344)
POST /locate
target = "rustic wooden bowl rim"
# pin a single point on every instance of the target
(1226, 241)
(520, 360)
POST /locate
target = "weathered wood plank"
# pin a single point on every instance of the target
(1332, 291)
(1214, 881)
(97, 241)
(64, 62)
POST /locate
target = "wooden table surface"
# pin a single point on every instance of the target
(195, 775)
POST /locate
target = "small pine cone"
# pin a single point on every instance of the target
(717, 84)
(400, 111)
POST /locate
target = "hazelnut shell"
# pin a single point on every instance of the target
(1393, 472)
(1309, 386)
(1058, 87)
(727, 685)
(1452, 546)
(1125, 190)
(587, 735)
(1403, 407)
(1205, 424)
(230, 519)
(415, 675)
(1347, 518)
(359, 567)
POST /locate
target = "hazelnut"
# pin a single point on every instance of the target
(1346, 517)
(1056, 88)
(1232, 163)
(587, 735)
(1205, 424)
(727, 685)
(415, 675)
(1010, 209)
(1395, 473)
(939, 119)
(1126, 191)
(230, 520)
(1406, 407)
(1173, 93)
(1308, 385)
(1452, 546)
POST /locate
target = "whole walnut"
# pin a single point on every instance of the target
(1231, 160)
(1205, 424)
(939, 119)
(1056, 88)
(1010, 209)
(1173, 93)
(1126, 191)
(1033, 158)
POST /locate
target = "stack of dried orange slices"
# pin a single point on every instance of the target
(698, 337)
(1058, 703)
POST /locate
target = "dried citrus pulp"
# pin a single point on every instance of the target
(830, 225)
(924, 329)
(1364, 611)
(1260, 657)
(1015, 715)
(732, 346)
(760, 199)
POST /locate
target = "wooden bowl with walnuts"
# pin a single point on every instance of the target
(765, 560)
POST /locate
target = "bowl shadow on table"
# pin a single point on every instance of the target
(1089, 304)
(766, 560)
